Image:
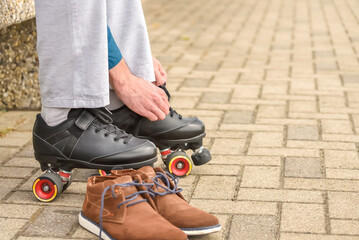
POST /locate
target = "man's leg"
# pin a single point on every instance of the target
(127, 23)
(72, 50)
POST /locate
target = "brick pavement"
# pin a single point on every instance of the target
(277, 84)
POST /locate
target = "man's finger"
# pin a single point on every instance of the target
(158, 76)
(150, 115)
(159, 113)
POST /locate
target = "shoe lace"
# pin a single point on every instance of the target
(128, 198)
(166, 179)
(172, 111)
(106, 124)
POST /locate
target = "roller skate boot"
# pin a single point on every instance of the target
(172, 136)
(121, 208)
(87, 139)
(171, 204)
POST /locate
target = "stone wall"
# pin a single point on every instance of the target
(19, 88)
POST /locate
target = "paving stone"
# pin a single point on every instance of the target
(13, 142)
(341, 159)
(251, 127)
(350, 79)
(246, 160)
(286, 121)
(336, 126)
(300, 218)
(183, 102)
(196, 82)
(331, 101)
(18, 211)
(15, 172)
(302, 106)
(304, 236)
(261, 139)
(278, 195)
(322, 66)
(7, 186)
(236, 117)
(39, 238)
(253, 227)
(211, 123)
(215, 187)
(216, 170)
(27, 152)
(321, 184)
(22, 162)
(235, 207)
(27, 197)
(215, 97)
(343, 205)
(59, 219)
(350, 227)
(7, 153)
(227, 146)
(303, 167)
(300, 132)
(10, 227)
(283, 152)
(321, 145)
(82, 233)
(271, 112)
(261, 177)
(342, 173)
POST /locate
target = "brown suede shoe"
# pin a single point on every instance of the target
(171, 204)
(121, 208)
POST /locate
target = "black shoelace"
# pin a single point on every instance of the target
(172, 111)
(106, 124)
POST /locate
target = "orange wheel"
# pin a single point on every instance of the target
(179, 164)
(47, 187)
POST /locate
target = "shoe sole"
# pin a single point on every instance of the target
(201, 231)
(93, 227)
(69, 164)
(174, 142)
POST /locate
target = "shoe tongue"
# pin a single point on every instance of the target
(148, 171)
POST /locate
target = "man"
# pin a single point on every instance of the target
(92, 54)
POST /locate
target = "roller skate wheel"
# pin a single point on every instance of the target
(102, 172)
(47, 187)
(179, 164)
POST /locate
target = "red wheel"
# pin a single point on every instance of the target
(47, 187)
(179, 164)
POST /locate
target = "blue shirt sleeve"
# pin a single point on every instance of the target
(114, 53)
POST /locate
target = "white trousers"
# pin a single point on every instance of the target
(73, 54)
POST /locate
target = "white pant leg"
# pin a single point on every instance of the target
(128, 26)
(72, 50)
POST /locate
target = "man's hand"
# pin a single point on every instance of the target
(138, 94)
(160, 73)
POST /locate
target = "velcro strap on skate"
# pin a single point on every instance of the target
(84, 120)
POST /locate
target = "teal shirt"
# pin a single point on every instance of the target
(114, 53)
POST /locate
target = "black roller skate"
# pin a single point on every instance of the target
(172, 136)
(87, 139)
